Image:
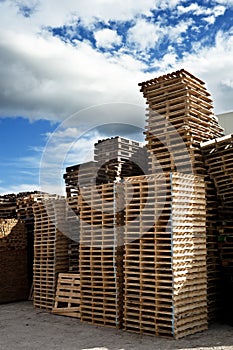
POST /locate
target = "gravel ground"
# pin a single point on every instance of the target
(23, 327)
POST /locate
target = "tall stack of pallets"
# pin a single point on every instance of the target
(24, 211)
(50, 250)
(101, 254)
(179, 117)
(165, 255)
(218, 155)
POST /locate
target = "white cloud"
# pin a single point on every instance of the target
(58, 12)
(198, 10)
(174, 33)
(214, 66)
(107, 38)
(225, 2)
(43, 77)
(210, 19)
(144, 35)
(228, 82)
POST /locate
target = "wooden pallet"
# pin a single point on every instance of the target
(67, 299)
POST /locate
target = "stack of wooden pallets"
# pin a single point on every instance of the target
(118, 157)
(165, 255)
(179, 117)
(24, 210)
(114, 159)
(13, 261)
(8, 206)
(218, 155)
(50, 251)
(79, 175)
(72, 216)
(101, 254)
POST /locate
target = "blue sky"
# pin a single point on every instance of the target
(58, 59)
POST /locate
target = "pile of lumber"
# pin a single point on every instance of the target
(179, 117)
(118, 157)
(8, 206)
(50, 251)
(101, 255)
(114, 159)
(135, 251)
(218, 155)
(80, 175)
(13, 261)
(165, 272)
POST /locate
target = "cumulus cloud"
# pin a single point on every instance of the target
(144, 35)
(45, 77)
(58, 12)
(107, 38)
(214, 66)
(201, 10)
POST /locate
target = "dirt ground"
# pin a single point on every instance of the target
(23, 327)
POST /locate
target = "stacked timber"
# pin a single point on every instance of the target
(165, 255)
(50, 250)
(115, 158)
(218, 155)
(24, 203)
(8, 206)
(101, 254)
(179, 117)
(72, 216)
(13, 261)
(118, 157)
(80, 175)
